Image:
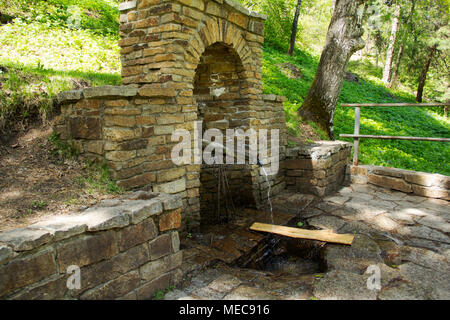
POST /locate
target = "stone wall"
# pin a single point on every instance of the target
(126, 249)
(317, 169)
(423, 184)
(183, 61)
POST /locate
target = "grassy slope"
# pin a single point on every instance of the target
(43, 56)
(38, 69)
(421, 156)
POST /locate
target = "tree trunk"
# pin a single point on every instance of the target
(395, 75)
(343, 39)
(294, 28)
(394, 79)
(423, 76)
(390, 52)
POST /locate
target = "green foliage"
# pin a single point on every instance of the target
(412, 155)
(41, 56)
(61, 149)
(99, 179)
(160, 294)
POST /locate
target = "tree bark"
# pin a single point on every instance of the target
(423, 76)
(394, 79)
(395, 75)
(294, 28)
(390, 52)
(344, 38)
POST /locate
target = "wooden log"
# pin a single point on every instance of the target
(393, 138)
(320, 235)
(423, 105)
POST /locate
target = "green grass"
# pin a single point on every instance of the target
(422, 122)
(43, 56)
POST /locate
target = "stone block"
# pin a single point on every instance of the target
(114, 288)
(160, 247)
(85, 128)
(25, 271)
(170, 221)
(86, 249)
(390, 182)
(137, 234)
(25, 239)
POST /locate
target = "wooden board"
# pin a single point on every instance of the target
(320, 235)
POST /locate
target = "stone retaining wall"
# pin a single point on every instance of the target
(423, 184)
(125, 249)
(317, 169)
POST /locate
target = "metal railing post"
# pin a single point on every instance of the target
(356, 140)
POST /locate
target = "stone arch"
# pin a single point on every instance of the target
(162, 44)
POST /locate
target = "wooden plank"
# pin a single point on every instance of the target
(393, 138)
(422, 105)
(320, 235)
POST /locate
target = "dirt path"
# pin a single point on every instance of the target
(35, 184)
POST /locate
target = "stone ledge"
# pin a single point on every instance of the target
(109, 242)
(273, 97)
(423, 184)
(318, 150)
(96, 92)
(104, 216)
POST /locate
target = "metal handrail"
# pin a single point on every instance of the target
(357, 136)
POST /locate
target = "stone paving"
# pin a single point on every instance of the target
(404, 237)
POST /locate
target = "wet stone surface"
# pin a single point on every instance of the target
(404, 238)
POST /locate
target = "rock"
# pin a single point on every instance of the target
(290, 70)
(248, 293)
(85, 128)
(62, 227)
(69, 96)
(99, 219)
(403, 291)
(22, 272)
(435, 284)
(357, 258)
(109, 91)
(351, 77)
(224, 283)
(6, 253)
(141, 210)
(424, 233)
(326, 222)
(342, 285)
(25, 239)
(435, 222)
(390, 182)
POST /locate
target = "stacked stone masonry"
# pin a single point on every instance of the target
(183, 61)
(423, 184)
(125, 249)
(317, 169)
